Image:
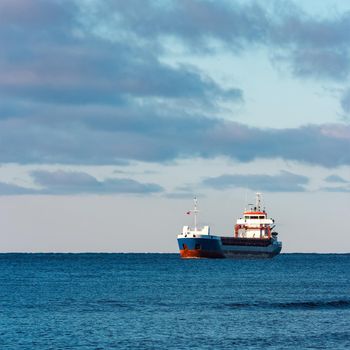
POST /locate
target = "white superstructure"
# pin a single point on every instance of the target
(195, 231)
(254, 223)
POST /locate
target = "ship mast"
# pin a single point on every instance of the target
(195, 211)
(258, 201)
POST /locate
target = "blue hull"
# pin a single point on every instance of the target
(200, 248)
(223, 247)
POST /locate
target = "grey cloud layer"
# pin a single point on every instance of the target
(65, 182)
(338, 189)
(61, 63)
(74, 182)
(310, 46)
(337, 184)
(7, 189)
(314, 47)
(335, 179)
(68, 62)
(70, 93)
(283, 182)
(107, 136)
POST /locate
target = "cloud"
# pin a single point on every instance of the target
(104, 136)
(196, 21)
(184, 192)
(337, 189)
(182, 195)
(64, 182)
(283, 182)
(335, 178)
(36, 14)
(313, 47)
(92, 88)
(69, 182)
(7, 189)
(345, 101)
(95, 72)
(73, 61)
(320, 64)
(340, 184)
(65, 63)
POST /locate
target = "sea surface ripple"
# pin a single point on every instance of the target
(158, 301)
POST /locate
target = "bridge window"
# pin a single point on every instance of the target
(261, 217)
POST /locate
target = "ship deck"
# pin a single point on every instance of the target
(256, 242)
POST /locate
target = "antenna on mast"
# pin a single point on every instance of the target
(195, 211)
(258, 201)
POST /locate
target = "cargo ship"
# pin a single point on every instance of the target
(253, 237)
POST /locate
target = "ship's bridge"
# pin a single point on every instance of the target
(254, 223)
(255, 217)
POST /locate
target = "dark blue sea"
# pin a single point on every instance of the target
(158, 301)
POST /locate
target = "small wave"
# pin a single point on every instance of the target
(112, 303)
(327, 304)
(316, 304)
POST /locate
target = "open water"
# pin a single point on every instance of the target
(158, 301)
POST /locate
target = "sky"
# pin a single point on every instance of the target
(115, 114)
